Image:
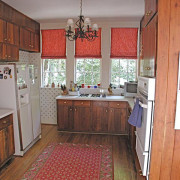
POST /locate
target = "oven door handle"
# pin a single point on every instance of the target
(141, 104)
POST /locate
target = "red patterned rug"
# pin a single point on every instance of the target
(66, 161)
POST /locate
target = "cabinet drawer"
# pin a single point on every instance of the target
(65, 102)
(82, 103)
(118, 104)
(100, 104)
(6, 121)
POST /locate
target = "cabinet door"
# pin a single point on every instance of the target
(65, 117)
(100, 116)
(3, 30)
(3, 52)
(25, 37)
(37, 43)
(150, 10)
(32, 41)
(82, 119)
(148, 61)
(12, 52)
(3, 149)
(10, 140)
(12, 34)
(117, 122)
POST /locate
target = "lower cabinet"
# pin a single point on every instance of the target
(6, 139)
(92, 116)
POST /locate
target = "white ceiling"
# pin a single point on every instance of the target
(55, 10)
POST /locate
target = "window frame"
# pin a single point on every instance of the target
(75, 76)
(43, 85)
(136, 70)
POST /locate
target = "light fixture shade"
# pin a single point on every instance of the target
(70, 22)
(87, 21)
(95, 27)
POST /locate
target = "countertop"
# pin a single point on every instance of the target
(5, 112)
(107, 98)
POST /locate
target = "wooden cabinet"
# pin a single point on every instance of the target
(92, 116)
(65, 115)
(148, 56)
(100, 116)
(9, 52)
(9, 33)
(29, 41)
(6, 139)
(150, 11)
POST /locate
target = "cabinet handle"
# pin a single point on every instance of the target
(70, 109)
(148, 13)
(6, 55)
(64, 102)
(147, 68)
(9, 56)
(29, 45)
(117, 104)
(75, 109)
(82, 103)
(4, 122)
(111, 111)
(5, 39)
(106, 111)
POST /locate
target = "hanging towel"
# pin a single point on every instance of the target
(135, 117)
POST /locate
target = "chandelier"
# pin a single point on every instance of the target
(83, 29)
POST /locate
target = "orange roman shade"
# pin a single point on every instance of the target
(53, 44)
(124, 43)
(88, 49)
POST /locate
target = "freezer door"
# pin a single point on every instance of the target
(142, 156)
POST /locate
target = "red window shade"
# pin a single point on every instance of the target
(53, 44)
(88, 49)
(124, 43)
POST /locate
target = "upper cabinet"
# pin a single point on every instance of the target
(150, 11)
(17, 31)
(9, 33)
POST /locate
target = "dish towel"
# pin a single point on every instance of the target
(135, 117)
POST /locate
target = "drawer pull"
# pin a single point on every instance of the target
(64, 102)
(4, 122)
(5, 39)
(70, 109)
(9, 56)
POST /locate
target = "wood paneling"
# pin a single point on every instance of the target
(165, 156)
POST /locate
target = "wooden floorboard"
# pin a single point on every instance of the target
(124, 168)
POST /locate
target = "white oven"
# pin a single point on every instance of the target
(146, 95)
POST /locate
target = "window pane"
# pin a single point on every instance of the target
(88, 78)
(80, 78)
(123, 70)
(96, 79)
(47, 79)
(88, 65)
(80, 65)
(88, 71)
(96, 65)
(54, 71)
(115, 65)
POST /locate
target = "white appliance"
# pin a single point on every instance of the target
(146, 95)
(130, 89)
(15, 94)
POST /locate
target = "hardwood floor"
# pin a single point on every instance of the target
(124, 166)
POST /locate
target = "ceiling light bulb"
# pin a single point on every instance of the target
(95, 27)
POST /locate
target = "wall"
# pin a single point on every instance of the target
(48, 102)
(165, 158)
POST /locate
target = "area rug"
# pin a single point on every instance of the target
(65, 161)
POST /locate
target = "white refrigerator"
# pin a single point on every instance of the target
(15, 93)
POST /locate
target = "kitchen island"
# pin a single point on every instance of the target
(94, 114)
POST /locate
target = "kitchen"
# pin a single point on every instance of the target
(164, 154)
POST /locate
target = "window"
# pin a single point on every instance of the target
(53, 71)
(123, 70)
(88, 71)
